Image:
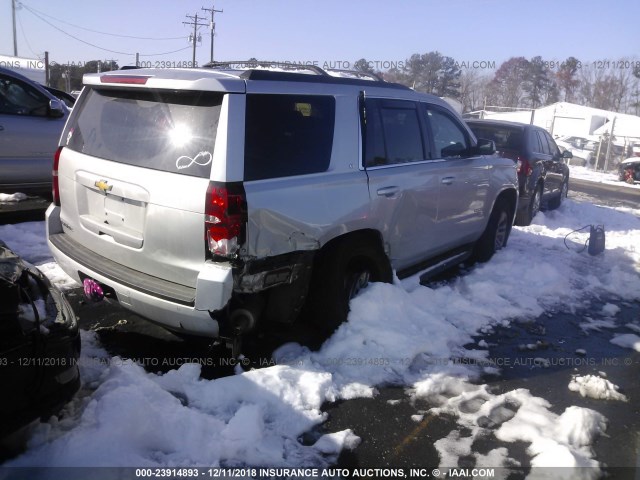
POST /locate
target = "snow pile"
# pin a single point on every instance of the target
(554, 440)
(135, 418)
(627, 340)
(403, 334)
(596, 387)
(12, 198)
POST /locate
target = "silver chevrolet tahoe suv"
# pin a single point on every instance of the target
(216, 199)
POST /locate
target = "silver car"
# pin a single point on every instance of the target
(210, 201)
(31, 121)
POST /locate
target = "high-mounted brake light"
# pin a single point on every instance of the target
(127, 79)
(225, 218)
(56, 186)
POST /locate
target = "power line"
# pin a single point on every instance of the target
(96, 46)
(24, 36)
(33, 10)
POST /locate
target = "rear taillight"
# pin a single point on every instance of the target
(56, 186)
(225, 218)
(524, 166)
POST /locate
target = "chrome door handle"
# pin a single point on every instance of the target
(448, 180)
(388, 191)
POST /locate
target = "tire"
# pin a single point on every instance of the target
(557, 201)
(496, 234)
(525, 217)
(340, 273)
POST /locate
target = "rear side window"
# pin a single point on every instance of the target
(505, 138)
(287, 135)
(161, 130)
(393, 133)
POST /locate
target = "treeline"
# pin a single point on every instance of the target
(522, 83)
(516, 83)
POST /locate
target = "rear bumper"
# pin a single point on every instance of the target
(176, 307)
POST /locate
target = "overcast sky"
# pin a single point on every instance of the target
(326, 31)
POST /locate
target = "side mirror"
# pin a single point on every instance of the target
(567, 154)
(56, 110)
(486, 147)
(455, 150)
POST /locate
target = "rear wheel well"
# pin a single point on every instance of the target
(341, 268)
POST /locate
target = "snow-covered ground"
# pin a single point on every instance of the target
(609, 178)
(402, 334)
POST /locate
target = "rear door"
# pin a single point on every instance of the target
(133, 175)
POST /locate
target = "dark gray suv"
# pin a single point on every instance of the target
(543, 174)
(31, 121)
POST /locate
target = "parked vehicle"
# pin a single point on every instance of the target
(543, 175)
(31, 120)
(583, 149)
(39, 345)
(212, 200)
(629, 170)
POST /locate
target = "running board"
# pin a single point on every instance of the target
(444, 265)
(438, 264)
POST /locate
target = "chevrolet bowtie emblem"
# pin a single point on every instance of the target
(103, 185)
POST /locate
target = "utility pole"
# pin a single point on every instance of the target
(195, 24)
(213, 25)
(15, 38)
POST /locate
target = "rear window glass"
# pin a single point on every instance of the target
(505, 138)
(161, 130)
(287, 135)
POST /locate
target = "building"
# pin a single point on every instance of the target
(32, 68)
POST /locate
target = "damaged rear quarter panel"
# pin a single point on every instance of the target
(302, 215)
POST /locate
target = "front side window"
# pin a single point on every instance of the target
(162, 130)
(553, 148)
(287, 135)
(449, 138)
(19, 98)
(543, 142)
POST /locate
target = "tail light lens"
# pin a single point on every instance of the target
(225, 218)
(524, 166)
(56, 185)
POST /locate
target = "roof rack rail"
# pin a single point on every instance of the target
(358, 74)
(249, 64)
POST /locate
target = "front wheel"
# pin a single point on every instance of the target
(341, 272)
(557, 201)
(496, 234)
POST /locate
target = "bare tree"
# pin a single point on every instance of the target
(508, 84)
